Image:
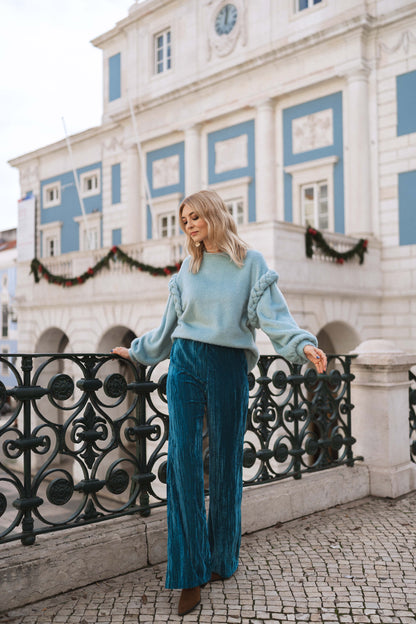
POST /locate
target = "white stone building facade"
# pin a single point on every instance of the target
(295, 111)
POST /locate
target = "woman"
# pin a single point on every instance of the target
(222, 293)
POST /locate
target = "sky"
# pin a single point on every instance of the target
(49, 70)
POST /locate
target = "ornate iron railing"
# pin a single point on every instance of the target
(83, 437)
(412, 415)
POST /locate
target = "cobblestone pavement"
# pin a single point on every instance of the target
(354, 563)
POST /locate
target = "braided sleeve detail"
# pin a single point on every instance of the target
(256, 293)
(176, 294)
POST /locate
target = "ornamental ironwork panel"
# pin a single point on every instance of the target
(84, 437)
(412, 415)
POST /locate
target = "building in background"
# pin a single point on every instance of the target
(8, 269)
(297, 112)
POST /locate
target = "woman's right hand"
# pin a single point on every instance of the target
(122, 351)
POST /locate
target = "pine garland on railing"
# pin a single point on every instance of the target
(39, 270)
(314, 236)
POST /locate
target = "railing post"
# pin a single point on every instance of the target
(381, 416)
(141, 444)
(28, 502)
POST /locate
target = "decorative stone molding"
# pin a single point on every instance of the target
(313, 131)
(406, 38)
(231, 154)
(221, 45)
(166, 172)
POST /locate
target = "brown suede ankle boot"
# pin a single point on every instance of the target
(189, 599)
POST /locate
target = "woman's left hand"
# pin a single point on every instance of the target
(316, 356)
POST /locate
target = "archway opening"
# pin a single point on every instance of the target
(338, 337)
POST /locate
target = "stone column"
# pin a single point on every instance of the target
(380, 393)
(266, 208)
(359, 212)
(192, 159)
(134, 230)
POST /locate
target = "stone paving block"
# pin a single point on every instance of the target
(318, 569)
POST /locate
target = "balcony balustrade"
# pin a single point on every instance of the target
(84, 437)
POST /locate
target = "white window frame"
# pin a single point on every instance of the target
(316, 186)
(232, 190)
(55, 188)
(92, 223)
(163, 206)
(234, 203)
(311, 172)
(51, 246)
(167, 60)
(93, 174)
(171, 225)
(310, 6)
(51, 231)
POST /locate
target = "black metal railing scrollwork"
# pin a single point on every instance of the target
(83, 437)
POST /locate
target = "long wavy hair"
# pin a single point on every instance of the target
(222, 230)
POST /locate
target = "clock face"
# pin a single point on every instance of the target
(226, 19)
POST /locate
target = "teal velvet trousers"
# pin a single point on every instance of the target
(209, 379)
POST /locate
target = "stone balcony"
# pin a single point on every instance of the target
(282, 244)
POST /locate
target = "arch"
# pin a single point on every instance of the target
(338, 337)
(117, 336)
(52, 340)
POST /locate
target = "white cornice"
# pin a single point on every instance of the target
(136, 12)
(85, 135)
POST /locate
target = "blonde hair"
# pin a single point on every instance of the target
(222, 230)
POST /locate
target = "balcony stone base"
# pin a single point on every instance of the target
(73, 558)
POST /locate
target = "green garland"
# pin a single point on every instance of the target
(39, 270)
(313, 236)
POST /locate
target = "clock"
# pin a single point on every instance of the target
(226, 19)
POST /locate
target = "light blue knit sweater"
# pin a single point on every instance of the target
(223, 304)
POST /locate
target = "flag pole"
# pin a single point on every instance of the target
(81, 201)
(141, 157)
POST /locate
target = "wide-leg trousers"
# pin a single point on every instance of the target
(209, 379)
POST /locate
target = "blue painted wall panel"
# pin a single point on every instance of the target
(70, 207)
(407, 208)
(114, 77)
(333, 101)
(406, 103)
(231, 132)
(116, 236)
(116, 184)
(179, 187)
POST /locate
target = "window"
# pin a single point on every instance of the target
(305, 4)
(4, 367)
(4, 320)
(90, 230)
(314, 203)
(236, 209)
(163, 56)
(52, 195)
(167, 225)
(90, 239)
(51, 246)
(90, 183)
(51, 238)
(313, 192)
